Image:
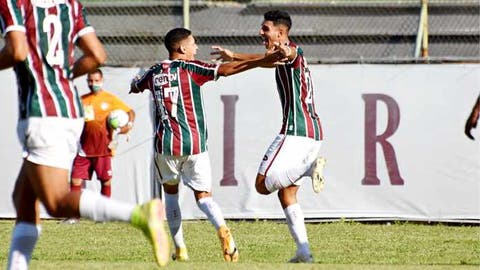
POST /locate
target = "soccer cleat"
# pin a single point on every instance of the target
(301, 258)
(149, 217)
(230, 251)
(317, 174)
(180, 254)
(70, 221)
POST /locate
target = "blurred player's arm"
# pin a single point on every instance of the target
(94, 54)
(15, 49)
(473, 119)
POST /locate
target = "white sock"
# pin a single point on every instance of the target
(174, 219)
(100, 208)
(212, 210)
(24, 238)
(296, 225)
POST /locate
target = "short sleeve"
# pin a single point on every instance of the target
(81, 26)
(10, 17)
(202, 72)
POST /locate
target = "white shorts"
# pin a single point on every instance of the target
(193, 170)
(287, 152)
(50, 141)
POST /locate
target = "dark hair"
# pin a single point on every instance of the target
(95, 71)
(174, 36)
(278, 17)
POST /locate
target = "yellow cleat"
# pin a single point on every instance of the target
(149, 217)
(230, 251)
(180, 255)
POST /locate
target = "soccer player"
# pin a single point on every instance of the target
(181, 141)
(97, 148)
(472, 120)
(295, 151)
(40, 38)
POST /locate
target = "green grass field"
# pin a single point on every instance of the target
(262, 244)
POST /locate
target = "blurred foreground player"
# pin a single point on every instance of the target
(40, 37)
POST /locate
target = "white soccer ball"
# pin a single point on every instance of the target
(117, 119)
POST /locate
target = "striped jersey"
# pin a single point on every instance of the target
(181, 126)
(295, 88)
(44, 79)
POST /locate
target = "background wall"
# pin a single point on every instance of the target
(437, 172)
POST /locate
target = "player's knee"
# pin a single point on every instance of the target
(55, 208)
(261, 188)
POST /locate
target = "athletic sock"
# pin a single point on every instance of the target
(106, 190)
(100, 208)
(24, 238)
(174, 219)
(296, 225)
(75, 187)
(212, 210)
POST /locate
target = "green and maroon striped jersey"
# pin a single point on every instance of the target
(44, 79)
(175, 85)
(295, 88)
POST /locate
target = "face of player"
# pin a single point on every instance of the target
(270, 33)
(95, 82)
(189, 47)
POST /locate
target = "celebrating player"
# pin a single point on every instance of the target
(181, 142)
(40, 38)
(295, 151)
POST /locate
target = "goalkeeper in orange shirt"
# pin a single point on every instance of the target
(97, 148)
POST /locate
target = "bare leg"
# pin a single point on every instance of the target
(76, 184)
(106, 188)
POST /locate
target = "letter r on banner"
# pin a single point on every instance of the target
(229, 102)
(371, 139)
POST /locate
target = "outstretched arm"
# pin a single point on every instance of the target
(227, 55)
(15, 49)
(473, 119)
(268, 60)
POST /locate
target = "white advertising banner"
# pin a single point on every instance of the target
(394, 143)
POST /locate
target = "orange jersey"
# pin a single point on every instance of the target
(96, 134)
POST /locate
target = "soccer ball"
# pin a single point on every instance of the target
(117, 119)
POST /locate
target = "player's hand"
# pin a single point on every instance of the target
(275, 55)
(133, 84)
(222, 54)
